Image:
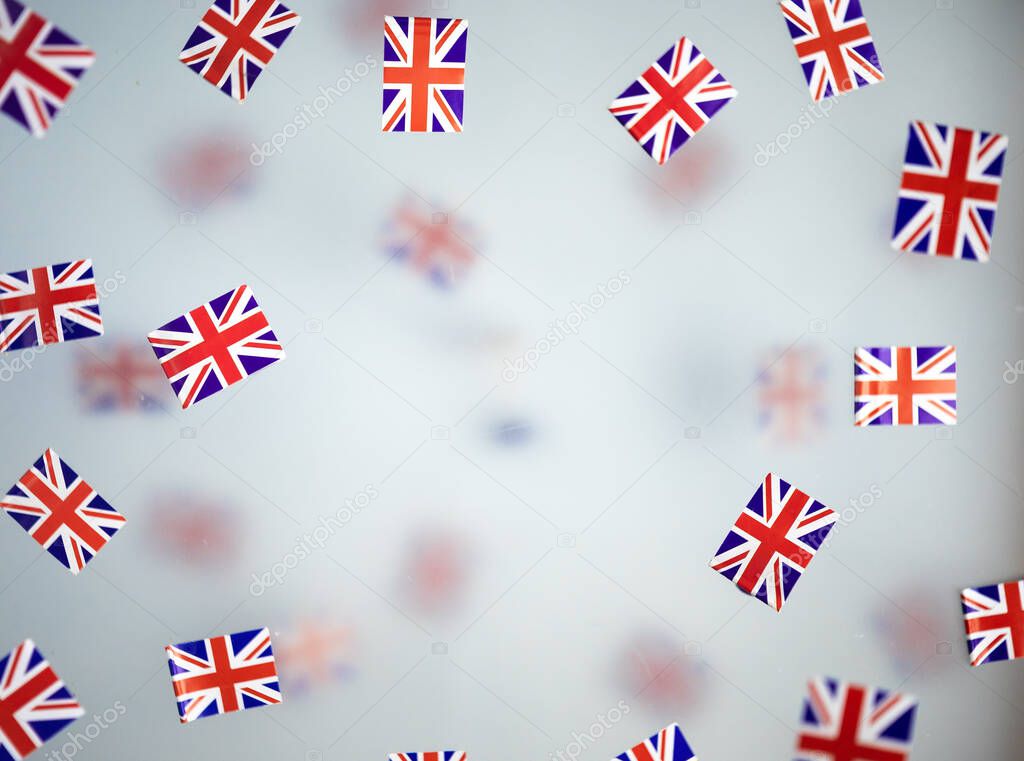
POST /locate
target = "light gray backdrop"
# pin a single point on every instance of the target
(547, 560)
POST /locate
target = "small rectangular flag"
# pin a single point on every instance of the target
(672, 100)
(994, 619)
(47, 305)
(843, 721)
(234, 42)
(834, 45)
(437, 755)
(58, 509)
(34, 703)
(949, 191)
(40, 66)
(215, 345)
(424, 74)
(667, 745)
(904, 385)
(772, 542)
(223, 674)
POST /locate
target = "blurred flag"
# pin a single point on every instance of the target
(433, 243)
(672, 100)
(512, 432)
(120, 376)
(234, 42)
(223, 674)
(791, 395)
(192, 528)
(435, 571)
(834, 45)
(843, 721)
(58, 509)
(315, 653)
(363, 20)
(907, 626)
(653, 669)
(40, 66)
(203, 167)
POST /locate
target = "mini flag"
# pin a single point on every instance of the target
(40, 66)
(315, 652)
(48, 305)
(437, 755)
(791, 395)
(234, 42)
(193, 529)
(62, 512)
(120, 378)
(949, 191)
(834, 45)
(772, 542)
(223, 674)
(843, 721)
(661, 672)
(436, 244)
(672, 100)
(904, 385)
(667, 745)
(994, 618)
(215, 345)
(424, 74)
(34, 703)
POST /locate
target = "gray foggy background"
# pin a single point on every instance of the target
(537, 548)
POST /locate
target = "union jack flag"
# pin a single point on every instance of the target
(34, 703)
(791, 394)
(424, 74)
(843, 721)
(48, 305)
(773, 541)
(215, 345)
(62, 512)
(667, 745)
(436, 244)
(40, 66)
(672, 100)
(120, 377)
(949, 191)
(994, 618)
(437, 755)
(904, 385)
(223, 674)
(834, 45)
(234, 42)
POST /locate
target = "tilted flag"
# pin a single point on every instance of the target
(49, 305)
(424, 74)
(772, 542)
(843, 721)
(234, 42)
(223, 674)
(672, 100)
(667, 745)
(994, 619)
(40, 66)
(215, 345)
(437, 755)
(34, 703)
(63, 513)
(834, 45)
(949, 191)
(904, 385)
(440, 245)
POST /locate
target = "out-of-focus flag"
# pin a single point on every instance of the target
(121, 377)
